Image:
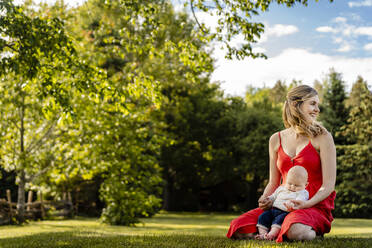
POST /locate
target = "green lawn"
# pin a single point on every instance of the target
(167, 230)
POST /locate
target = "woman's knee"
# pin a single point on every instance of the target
(299, 231)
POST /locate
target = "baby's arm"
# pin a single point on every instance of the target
(302, 196)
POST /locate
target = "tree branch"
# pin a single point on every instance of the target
(11, 47)
(38, 143)
(196, 19)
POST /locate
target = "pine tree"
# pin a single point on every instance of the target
(355, 161)
(334, 112)
(357, 90)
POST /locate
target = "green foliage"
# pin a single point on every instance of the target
(130, 193)
(355, 161)
(353, 181)
(40, 71)
(130, 44)
(219, 160)
(334, 113)
(359, 124)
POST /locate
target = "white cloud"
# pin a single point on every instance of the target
(277, 30)
(259, 50)
(365, 3)
(363, 31)
(326, 29)
(299, 64)
(281, 30)
(337, 40)
(345, 48)
(368, 47)
(340, 19)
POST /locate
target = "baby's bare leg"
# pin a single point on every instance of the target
(262, 231)
(273, 233)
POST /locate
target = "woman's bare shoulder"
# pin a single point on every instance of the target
(275, 140)
(323, 139)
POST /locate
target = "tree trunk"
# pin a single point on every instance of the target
(21, 196)
(166, 196)
(21, 174)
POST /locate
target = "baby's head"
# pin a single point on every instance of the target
(296, 178)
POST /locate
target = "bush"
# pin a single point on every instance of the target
(130, 192)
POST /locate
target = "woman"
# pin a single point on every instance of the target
(304, 142)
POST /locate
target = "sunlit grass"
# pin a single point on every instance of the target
(167, 230)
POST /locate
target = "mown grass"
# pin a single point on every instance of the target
(168, 230)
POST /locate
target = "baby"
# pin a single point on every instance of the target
(293, 189)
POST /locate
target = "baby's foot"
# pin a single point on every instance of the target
(270, 236)
(260, 236)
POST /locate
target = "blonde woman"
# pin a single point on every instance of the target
(307, 143)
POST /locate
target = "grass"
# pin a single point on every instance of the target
(168, 230)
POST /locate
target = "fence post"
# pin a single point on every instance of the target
(9, 196)
(29, 200)
(42, 205)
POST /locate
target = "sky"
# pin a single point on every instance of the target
(304, 43)
(301, 43)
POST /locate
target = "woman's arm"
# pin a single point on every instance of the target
(328, 161)
(274, 178)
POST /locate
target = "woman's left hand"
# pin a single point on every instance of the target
(295, 205)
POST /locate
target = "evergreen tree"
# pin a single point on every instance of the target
(358, 88)
(278, 93)
(334, 113)
(355, 161)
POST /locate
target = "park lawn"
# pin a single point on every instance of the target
(167, 230)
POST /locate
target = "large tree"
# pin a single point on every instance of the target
(37, 58)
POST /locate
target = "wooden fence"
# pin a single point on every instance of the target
(35, 210)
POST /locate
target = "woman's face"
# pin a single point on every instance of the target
(310, 108)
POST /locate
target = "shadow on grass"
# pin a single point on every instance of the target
(97, 239)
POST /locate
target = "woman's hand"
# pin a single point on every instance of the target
(264, 203)
(292, 205)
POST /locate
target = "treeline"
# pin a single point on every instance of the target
(113, 102)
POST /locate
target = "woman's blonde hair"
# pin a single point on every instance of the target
(293, 116)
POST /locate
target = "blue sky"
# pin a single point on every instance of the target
(301, 43)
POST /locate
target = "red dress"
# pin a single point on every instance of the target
(319, 217)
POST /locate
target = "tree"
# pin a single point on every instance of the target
(333, 112)
(355, 160)
(138, 51)
(359, 123)
(357, 90)
(278, 93)
(37, 57)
